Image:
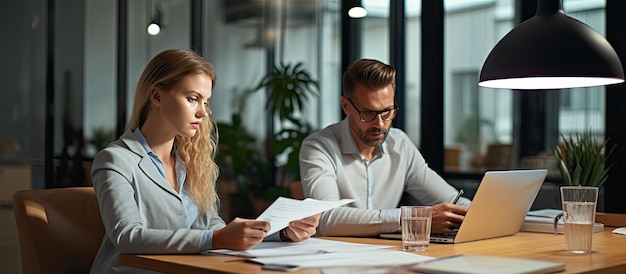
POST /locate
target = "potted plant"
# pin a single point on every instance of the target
(288, 87)
(582, 160)
(241, 158)
(242, 163)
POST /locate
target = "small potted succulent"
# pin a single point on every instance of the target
(582, 160)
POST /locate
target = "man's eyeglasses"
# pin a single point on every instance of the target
(370, 115)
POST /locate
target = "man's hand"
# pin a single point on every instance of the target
(447, 217)
(240, 234)
(303, 229)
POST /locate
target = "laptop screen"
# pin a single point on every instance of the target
(498, 208)
(501, 203)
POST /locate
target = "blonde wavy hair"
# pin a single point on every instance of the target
(165, 71)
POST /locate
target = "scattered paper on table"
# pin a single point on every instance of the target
(307, 247)
(620, 230)
(354, 258)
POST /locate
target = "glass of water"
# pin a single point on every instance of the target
(416, 222)
(579, 212)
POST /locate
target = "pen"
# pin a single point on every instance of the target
(456, 199)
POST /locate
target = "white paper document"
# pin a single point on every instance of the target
(620, 230)
(316, 252)
(284, 210)
(356, 257)
(307, 247)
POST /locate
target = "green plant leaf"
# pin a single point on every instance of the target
(582, 160)
(288, 88)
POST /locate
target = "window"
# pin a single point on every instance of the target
(474, 117)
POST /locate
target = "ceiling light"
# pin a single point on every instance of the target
(154, 29)
(551, 51)
(155, 25)
(357, 12)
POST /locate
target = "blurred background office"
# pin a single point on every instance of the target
(69, 69)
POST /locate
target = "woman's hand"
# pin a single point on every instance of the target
(240, 234)
(303, 229)
(447, 217)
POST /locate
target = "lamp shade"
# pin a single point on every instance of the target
(551, 51)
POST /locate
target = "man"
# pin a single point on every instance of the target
(363, 158)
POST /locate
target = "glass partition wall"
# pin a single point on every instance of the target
(480, 122)
(475, 118)
(244, 40)
(25, 103)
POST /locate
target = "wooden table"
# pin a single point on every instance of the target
(608, 256)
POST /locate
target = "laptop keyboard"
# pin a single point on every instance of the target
(449, 235)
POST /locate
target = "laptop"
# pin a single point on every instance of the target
(498, 208)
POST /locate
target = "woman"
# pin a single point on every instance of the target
(156, 184)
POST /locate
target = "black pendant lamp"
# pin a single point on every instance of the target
(551, 51)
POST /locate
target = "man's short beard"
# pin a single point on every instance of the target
(373, 143)
(362, 134)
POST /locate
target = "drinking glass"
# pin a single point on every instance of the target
(579, 213)
(416, 221)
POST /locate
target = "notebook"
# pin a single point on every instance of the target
(542, 220)
(468, 264)
(498, 208)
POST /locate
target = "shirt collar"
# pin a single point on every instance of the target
(144, 143)
(142, 140)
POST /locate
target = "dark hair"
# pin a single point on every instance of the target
(370, 73)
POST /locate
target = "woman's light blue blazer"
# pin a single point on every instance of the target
(140, 210)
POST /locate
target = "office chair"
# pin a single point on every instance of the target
(59, 230)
